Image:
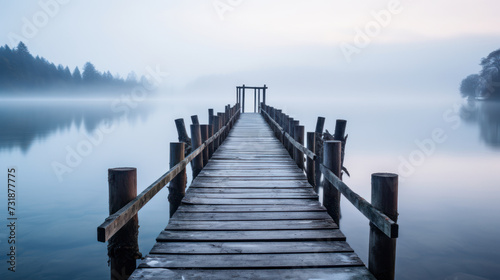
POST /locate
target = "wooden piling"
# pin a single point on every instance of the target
(211, 145)
(332, 161)
(216, 129)
(177, 187)
(320, 123)
(123, 248)
(298, 155)
(197, 163)
(194, 119)
(290, 132)
(183, 136)
(204, 137)
(382, 249)
(310, 166)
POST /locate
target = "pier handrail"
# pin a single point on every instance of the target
(389, 227)
(296, 144)
(375, 216)
(114, 222)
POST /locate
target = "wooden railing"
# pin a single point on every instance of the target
(382, 212)
(117, 220)
(120, 229)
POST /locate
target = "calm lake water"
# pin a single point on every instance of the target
(446, 152)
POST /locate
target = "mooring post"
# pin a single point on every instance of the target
(339, 135)
(204, 137)
(286, 128)
(210, 116)
(197, 163)
(211, 145)
(382, 249)
(290, 132)
(331, 196)
(277, 120)
(320, 123)
(311, 145)
(221, 121)
(298, 154)
(123, 249)
(177, 187)
(181, 131)
(194, 119)
(216, 129)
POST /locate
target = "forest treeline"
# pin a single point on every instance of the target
(486, 84)
(19, 70)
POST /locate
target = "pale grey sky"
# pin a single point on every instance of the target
(381, 42)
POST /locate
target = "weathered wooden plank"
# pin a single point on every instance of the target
(255, 216)
(261, 191)
(251, 208)
(252, 260)
(278, 201)
(251, 225)
(205, 248)
(330, 273)
(262, 235)
(243, 183)
(251, 195)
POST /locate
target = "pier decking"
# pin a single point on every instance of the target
(251, 214)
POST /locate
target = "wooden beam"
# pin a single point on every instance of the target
(379, 219)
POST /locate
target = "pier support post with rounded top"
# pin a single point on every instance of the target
(332, 161)
(123, 249)
(382, 249)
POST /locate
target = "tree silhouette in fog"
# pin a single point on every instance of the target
(19, 70)
(486, 84)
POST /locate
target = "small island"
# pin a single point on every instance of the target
(486, 84)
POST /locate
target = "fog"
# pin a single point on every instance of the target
(421, 48)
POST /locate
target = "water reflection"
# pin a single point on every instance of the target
(487, 115)
(24, 122)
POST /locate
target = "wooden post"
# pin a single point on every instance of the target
(181, 131)
(197, 163)
(204, 137)
(311, 145)
(382, 249)
(243, 103)
(211, 145)
(339, 135)
(331, 196)
(264, 94)
(210, 116)
(194, 119)
(320, 123)
(298, 155)
(123, 248)
(290, 132)
(258, 101)
(216, 129)
(221, 121)
(177, 187)
(255, 100)
(286, 128)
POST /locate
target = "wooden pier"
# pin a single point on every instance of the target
(251, 214)
(252, 211)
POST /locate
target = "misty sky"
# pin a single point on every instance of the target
(422, 45)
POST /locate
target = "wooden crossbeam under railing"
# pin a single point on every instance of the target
(116, 221)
